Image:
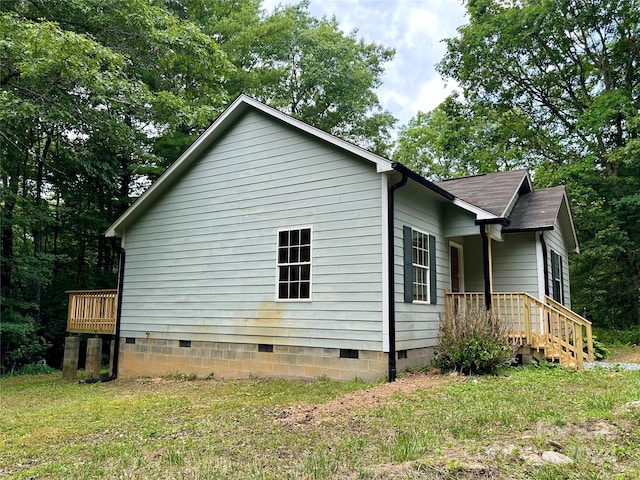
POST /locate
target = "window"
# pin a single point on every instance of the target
(419, 266)
(294, 264)
(557, 283)
(420, 263)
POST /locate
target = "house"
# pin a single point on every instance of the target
(273, 248)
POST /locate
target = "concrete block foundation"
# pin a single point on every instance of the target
(158, 357)
(71, 356)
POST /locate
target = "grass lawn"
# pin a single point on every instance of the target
(422, 426)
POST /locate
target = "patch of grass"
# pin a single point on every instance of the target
(207, 429)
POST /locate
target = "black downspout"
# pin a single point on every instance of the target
(116, 347)
(486, 266)
(391, 279)
(545, 267)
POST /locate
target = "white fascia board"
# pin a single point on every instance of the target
(572, 226)
(232, 112)
(516, 195)
(382, 168)
(477, 211)
(382, 164)
(384, 195)
(201, 143)
(540, 266)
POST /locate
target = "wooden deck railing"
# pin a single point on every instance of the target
(92, 311)
(543, 325)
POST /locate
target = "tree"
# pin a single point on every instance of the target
(79, 116)
(301, 65)
(568, 71)
(97, 97)
(457, 139)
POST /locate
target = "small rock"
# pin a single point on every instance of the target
(556, 458)
(532, 459)
(555, 445)
(633, 405)
(475, 468)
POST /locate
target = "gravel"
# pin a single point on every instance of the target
(621, 366)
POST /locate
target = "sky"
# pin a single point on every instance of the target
(415, 28)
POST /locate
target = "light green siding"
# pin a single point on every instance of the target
(457, 222)
(555, 241)
(201, 261)
(417, 323)
(473, 266)
(515, 264)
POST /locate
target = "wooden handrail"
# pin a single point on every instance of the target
(545, 325)
(579, 319)
(92, 311)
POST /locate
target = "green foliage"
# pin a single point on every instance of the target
(302, 65)
(458, 139)
(40, 368)
(600, 350)
(616, 337)
(473, 341)
(20, 343)
(552, 86)
(97, 97)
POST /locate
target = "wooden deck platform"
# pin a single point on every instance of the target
(92, 311)
(544, 326)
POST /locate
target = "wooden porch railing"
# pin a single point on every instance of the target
(92, 311)
(543, 325)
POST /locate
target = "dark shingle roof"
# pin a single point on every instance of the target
(493, 192)
(536, 210)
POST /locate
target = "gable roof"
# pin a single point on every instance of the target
(494, 192)
(510, 195)
(536, 210)
(237, 108)
(540, 210)
(217, 128)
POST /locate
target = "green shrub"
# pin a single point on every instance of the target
(473, 341)
(39, 368)
(600, 350)
(615, 337)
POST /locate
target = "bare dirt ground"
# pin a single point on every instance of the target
(371, 397)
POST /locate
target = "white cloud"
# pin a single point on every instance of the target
(415, 28)
(431, 94)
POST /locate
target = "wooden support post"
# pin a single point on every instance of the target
(578, 345)
(527, 320)
(94, 354)
(71, 355)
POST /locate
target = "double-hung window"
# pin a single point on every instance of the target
(294, 264)
(419, 266)
(557, 282)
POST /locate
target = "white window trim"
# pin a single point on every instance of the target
(428, 269)
(461, 260)
(560, 263)
(277, 275)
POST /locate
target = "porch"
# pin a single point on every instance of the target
(92, 311)
(543, 327)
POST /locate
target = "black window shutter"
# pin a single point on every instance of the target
(433, 294)
(407, 242)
